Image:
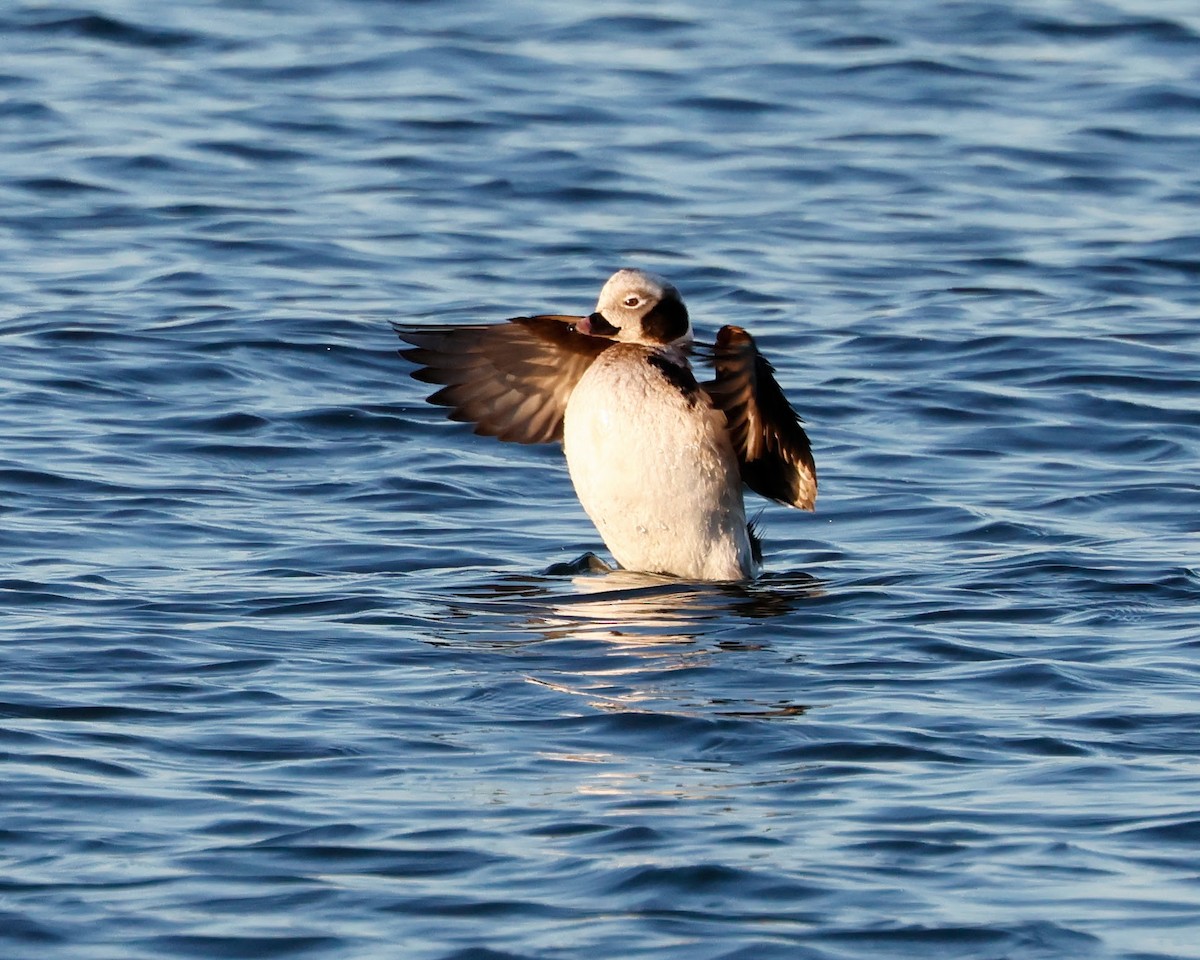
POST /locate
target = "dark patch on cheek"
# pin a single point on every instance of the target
(680, 377)
(666, 322)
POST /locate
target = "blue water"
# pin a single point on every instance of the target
(281, 675)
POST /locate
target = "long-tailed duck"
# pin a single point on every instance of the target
(657, 459)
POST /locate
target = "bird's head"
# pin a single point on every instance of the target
(639, 307)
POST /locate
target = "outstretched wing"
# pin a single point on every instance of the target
(512, 380)
(771, 445)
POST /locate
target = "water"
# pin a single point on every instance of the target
(281, 676)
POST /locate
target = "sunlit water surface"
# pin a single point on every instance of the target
(282, 675)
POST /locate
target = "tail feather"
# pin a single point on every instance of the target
(752, 530)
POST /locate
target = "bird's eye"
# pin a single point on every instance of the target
(632, 301)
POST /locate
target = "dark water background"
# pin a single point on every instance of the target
(280, 676)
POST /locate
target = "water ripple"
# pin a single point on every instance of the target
(287, 670)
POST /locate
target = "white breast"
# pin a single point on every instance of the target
(655, 471)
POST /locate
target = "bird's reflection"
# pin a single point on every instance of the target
(625, 642)
(628, 608)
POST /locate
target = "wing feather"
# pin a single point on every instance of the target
(512, 380)
(772, 448)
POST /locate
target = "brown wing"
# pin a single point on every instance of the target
(512, 380)
(772, 448)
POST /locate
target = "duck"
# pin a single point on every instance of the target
(657, 458)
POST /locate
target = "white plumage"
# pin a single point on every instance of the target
(655, 471)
